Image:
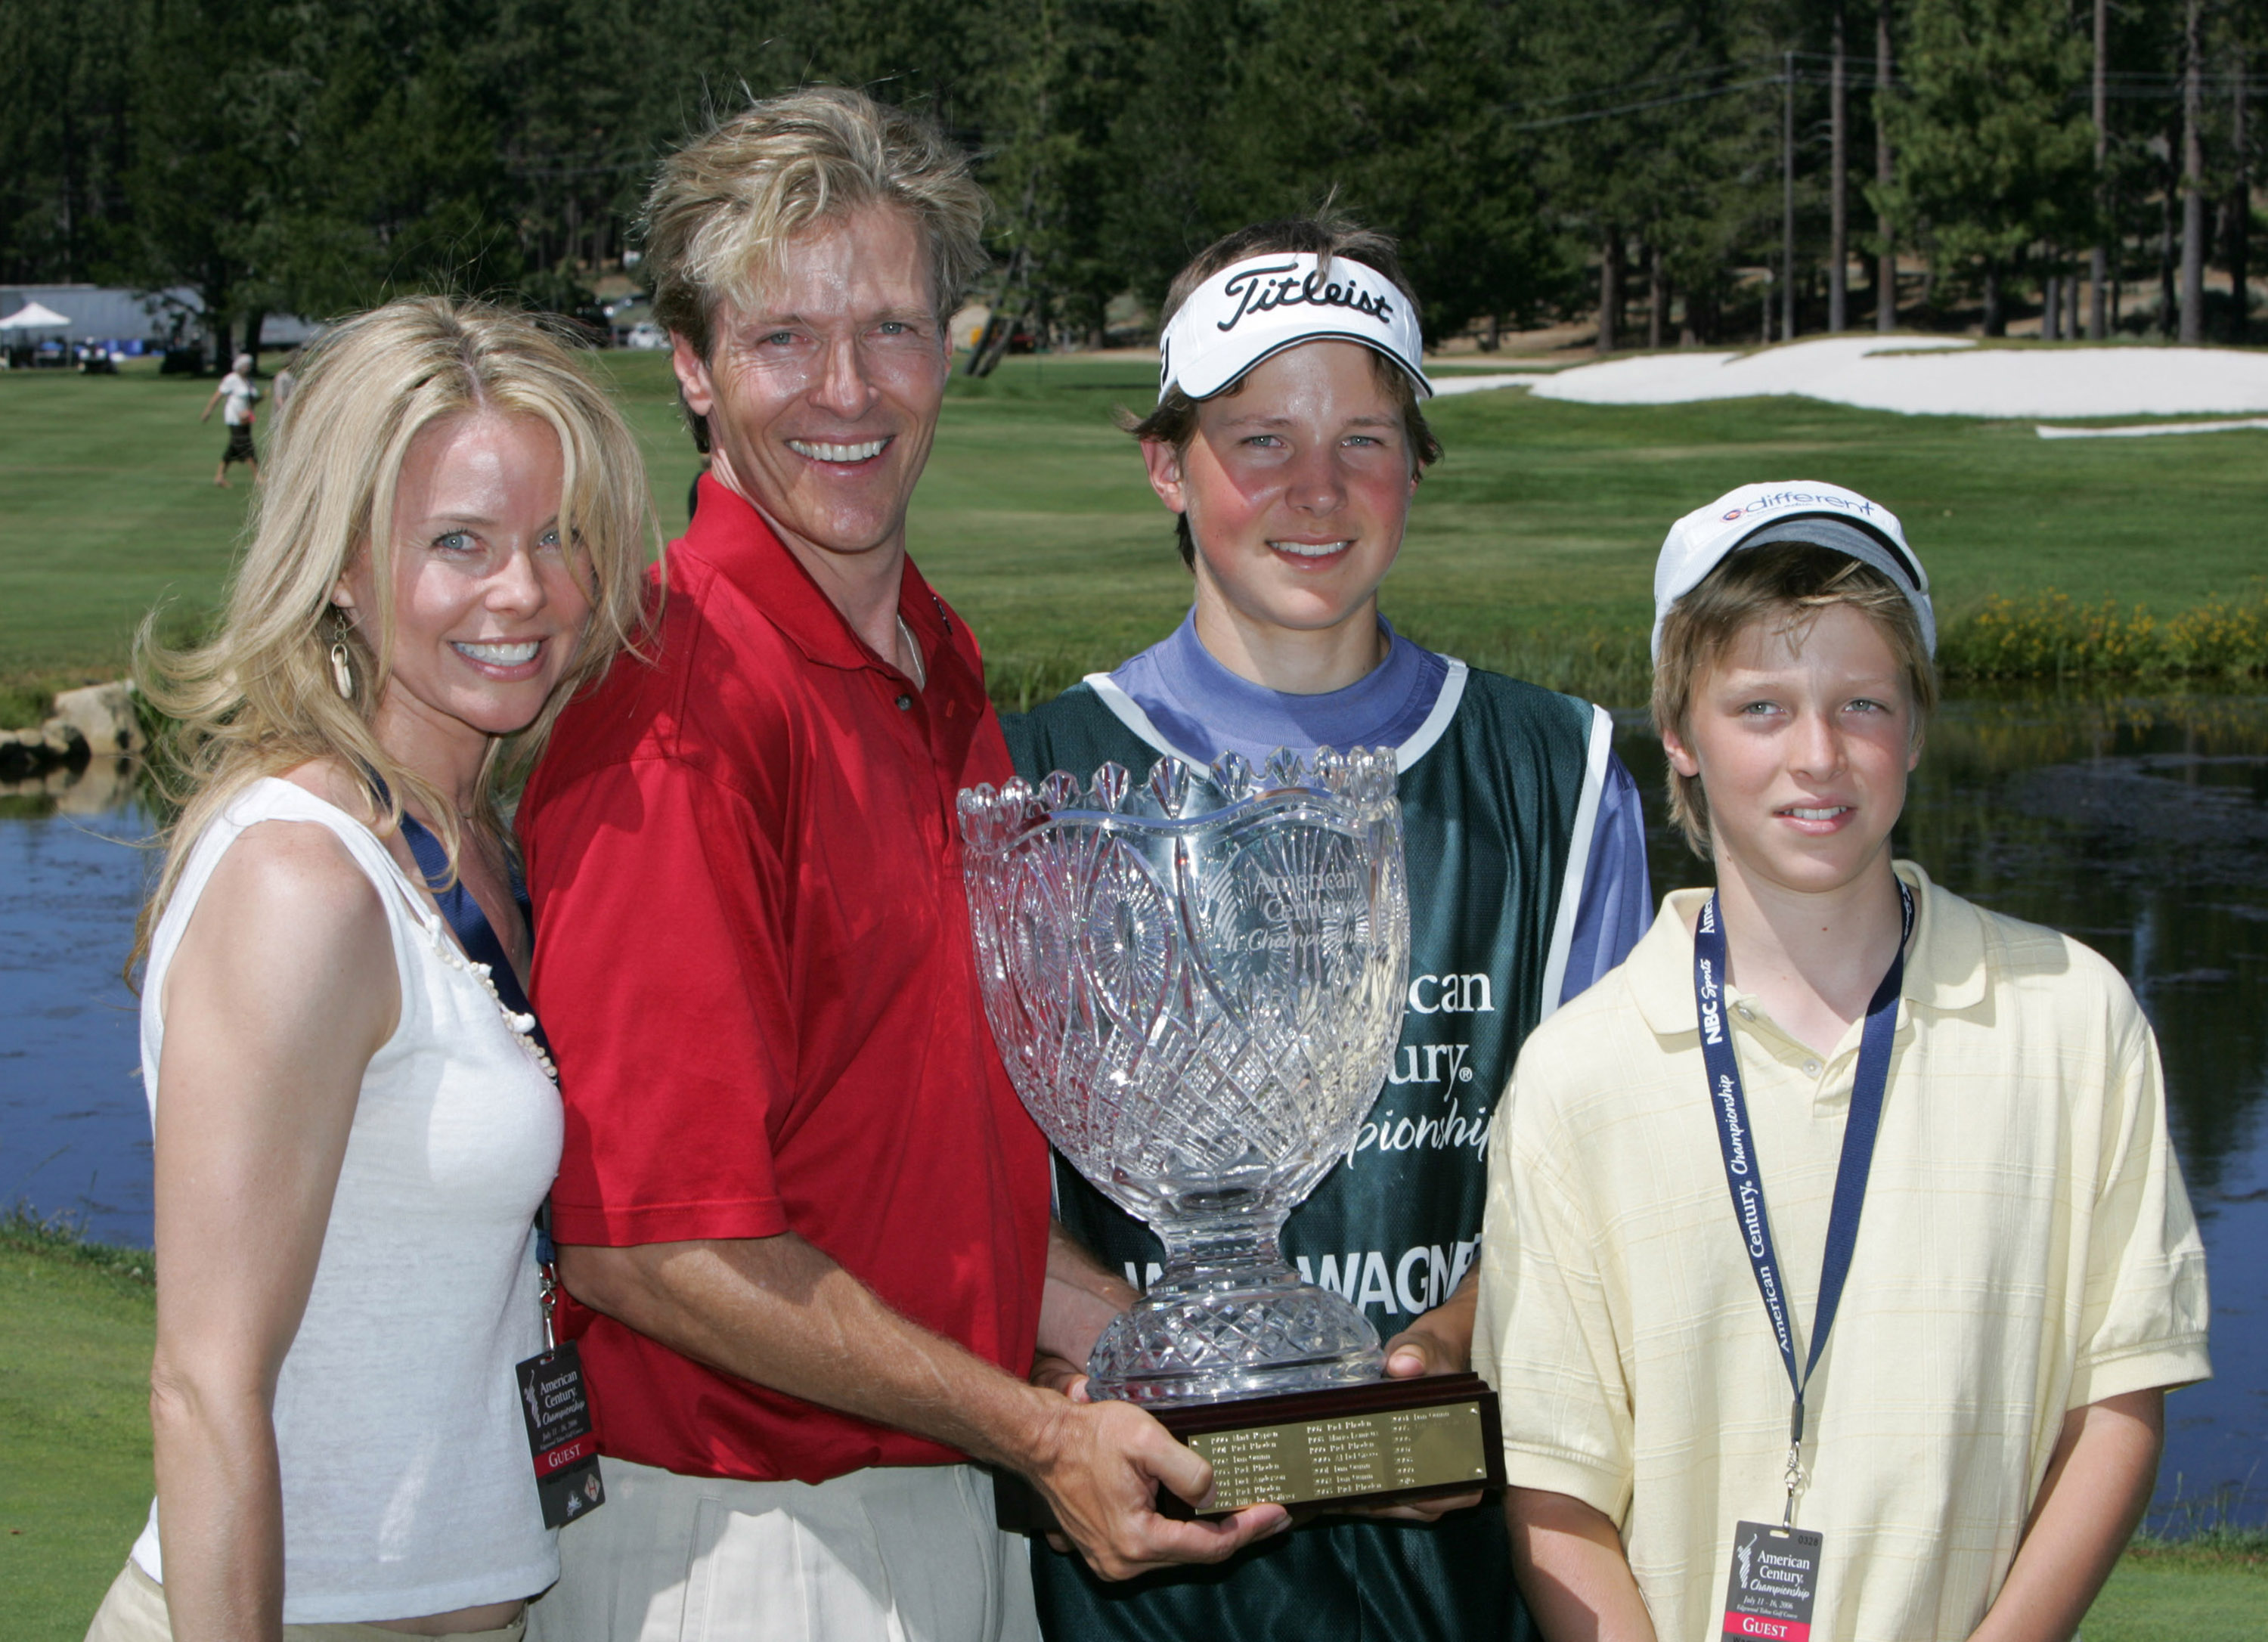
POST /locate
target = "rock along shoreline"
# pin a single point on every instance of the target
(97, 721)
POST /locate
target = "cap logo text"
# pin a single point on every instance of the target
(1262, 290)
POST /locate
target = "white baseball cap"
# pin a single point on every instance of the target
(1799, 510)
(1254, 309)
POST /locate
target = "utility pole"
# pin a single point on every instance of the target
(2240, 206)
(1787, 196)
(1886, 275)
(2193, 174)
(2097, 271)
(1839, 254)
(1610, 291)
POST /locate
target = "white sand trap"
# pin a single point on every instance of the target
(1455, 382)
(2150, 429)
(1938, 376)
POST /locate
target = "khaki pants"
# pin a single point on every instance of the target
(134, 1611)
(897, 1554)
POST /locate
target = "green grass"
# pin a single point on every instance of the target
(2161, 1595)
(76, 1323)
(1531, 548)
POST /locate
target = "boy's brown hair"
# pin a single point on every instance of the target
(1786, 583)
(1326, 235)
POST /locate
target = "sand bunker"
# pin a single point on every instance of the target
(1938, 376)
(1446, 382)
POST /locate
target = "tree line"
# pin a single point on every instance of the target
(1712, 170)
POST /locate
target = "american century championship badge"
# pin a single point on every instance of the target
(1774, 1581)
(558, 1411)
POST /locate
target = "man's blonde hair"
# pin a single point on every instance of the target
(259, 698)
(724, 205)
(1787, 585)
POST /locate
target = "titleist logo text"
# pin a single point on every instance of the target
(1259, 290)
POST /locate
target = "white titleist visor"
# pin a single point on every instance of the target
(1264, 304)
(1825, 515)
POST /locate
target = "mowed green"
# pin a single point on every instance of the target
(1537, 531)
(74, 1404)
(75, 1415)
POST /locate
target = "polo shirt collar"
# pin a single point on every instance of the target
(731, 535)
(1945, 961)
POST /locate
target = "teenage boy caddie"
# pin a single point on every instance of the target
(1288, 441)
(1837, 1261)
(797, 1188)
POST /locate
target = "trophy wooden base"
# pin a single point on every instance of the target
(1389, 1442)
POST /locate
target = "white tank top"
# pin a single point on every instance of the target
(408, 1485)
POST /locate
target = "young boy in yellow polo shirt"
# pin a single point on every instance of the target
(1836, 1259)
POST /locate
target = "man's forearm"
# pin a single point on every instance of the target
(2097, 1486)
(780, 1313)
(1569, 1560)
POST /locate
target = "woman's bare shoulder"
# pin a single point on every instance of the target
(289, 915)
(292, 884)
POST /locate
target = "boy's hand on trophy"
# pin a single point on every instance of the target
(1100, 1466)
(1441, 1342)
(1438, 1342)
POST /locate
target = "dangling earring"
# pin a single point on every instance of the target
(342, 674)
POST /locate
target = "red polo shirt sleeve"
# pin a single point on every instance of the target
(669, 1008)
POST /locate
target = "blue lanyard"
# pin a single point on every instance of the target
(475, 934)
(478, 937)
(1735, 1139)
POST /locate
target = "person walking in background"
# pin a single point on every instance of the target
(354, 1118)
(235, 394)
(1837, 1259)
(1289, 442)
(797, 1188)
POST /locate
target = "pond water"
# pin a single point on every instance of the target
(2140, 826)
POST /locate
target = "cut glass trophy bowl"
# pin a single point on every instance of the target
(1196, 983)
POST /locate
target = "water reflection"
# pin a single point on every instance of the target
(74, 1127)
(106, 784)
(2141, 827)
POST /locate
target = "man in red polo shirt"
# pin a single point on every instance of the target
(798, 1189)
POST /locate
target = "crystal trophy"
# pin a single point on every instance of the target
(1197, 983)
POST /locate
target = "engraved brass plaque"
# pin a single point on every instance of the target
(1347, 1457)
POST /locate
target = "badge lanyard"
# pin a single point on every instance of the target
(554, 1402)
(1735, 1136)
(475, 934)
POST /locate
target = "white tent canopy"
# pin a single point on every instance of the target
(34, 316)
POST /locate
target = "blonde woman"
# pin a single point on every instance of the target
(353, 1129)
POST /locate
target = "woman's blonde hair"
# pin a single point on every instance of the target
(258, 697)
(1785, 584)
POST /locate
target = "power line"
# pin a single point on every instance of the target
(2128, 86)
(1640, 107)
(1627, 86)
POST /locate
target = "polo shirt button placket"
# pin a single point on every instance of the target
(905, 702)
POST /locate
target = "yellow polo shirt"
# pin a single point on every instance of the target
(2025, 1249)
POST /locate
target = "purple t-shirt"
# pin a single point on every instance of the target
(1205, 710)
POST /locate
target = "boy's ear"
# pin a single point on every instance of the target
(1682, 759)
(1164, 463)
